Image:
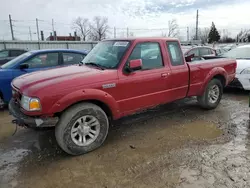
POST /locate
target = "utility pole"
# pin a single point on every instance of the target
(37, 29)
(11, 28)
(197, 21)
(53, 28)
(127, 32)
(114, 32)
(30, 33)
(187, 33)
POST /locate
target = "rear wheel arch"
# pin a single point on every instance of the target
(221, 78)
(216, 73)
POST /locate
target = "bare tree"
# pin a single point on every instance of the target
(173, 28)
(243, 35)
(81, 25)
(163, 34)
(131, 34)
(203, 34)
(99, 28)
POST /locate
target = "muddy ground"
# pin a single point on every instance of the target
(175, 145)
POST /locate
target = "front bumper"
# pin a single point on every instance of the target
(24, 120)
(241, 81)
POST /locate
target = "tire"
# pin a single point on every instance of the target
(2, 103)
(205, 100)
(72, 119)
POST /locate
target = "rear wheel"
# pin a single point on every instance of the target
(82, 128)
(212, 95)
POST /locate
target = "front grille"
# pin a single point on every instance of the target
(17, 96)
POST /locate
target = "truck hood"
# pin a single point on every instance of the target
(71, 76)
(242, 64)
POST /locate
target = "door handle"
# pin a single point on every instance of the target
(164, 74)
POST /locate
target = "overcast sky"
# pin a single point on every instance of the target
(135, 14)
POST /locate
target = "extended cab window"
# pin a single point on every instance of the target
(149, 53)
(175, 53)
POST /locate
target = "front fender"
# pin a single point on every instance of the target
(84, 95)
(214, 72)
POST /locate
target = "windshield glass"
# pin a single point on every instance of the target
(107, 53)
(11, 63)
(238, 53)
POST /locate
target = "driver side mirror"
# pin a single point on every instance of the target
(135, 65)
(24, 66)
(189, 58)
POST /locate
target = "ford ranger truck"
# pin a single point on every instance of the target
(117, 78)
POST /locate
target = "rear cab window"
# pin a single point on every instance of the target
(175, 53)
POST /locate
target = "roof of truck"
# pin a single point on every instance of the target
(143, 39)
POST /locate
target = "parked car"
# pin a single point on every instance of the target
(242, 56)
(9, 54)
(220, 51)
(199, 52)
(115, 79)
(34, 61)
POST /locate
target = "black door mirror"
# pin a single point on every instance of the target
(24, 66)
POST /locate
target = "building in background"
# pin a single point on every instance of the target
(63, 38)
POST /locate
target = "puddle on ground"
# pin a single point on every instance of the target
(201, 130)
(123, 159)
(157, 149)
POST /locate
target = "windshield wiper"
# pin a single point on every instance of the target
(96, 65)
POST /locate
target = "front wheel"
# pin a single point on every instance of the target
(212, 95)
(82, 128)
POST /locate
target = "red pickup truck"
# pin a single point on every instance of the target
(117, 78)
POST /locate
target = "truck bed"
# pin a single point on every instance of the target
(200, 71)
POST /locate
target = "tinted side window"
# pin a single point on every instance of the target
(72, 58)
(205, 51)
(175, 53)
(194, 51)
(4, 54)
(149, 53)
(43, 60)
(15, 53)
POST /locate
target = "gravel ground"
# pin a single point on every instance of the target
(175, 145)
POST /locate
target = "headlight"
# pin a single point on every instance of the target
(30, 104)
(245, 71)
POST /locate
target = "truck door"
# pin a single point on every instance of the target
(179, 71)
(145, 87)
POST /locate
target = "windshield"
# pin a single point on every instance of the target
(238, 53)
(12, 62)
(107, 54)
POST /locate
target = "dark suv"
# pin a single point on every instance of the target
(9, 54)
